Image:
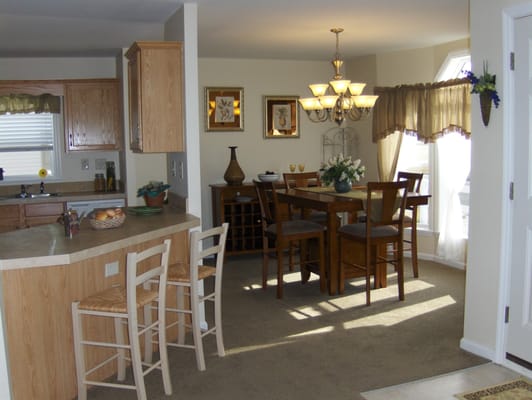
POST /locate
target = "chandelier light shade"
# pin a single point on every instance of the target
(340, 98)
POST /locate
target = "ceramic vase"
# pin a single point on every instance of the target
(485, 107)
(342, 186)
(234, 174)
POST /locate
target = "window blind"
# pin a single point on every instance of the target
(26, 132)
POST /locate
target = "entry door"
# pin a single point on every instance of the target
(519, 334)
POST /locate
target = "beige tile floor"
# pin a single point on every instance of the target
(444, 387)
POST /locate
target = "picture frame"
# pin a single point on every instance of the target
(224, 109)
(281, 117)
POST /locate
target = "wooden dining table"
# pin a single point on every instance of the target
(326, 199)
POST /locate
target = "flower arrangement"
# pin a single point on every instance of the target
(484, 84)
(152, 189)
(342, 169)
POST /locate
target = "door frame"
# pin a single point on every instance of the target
(509, 16)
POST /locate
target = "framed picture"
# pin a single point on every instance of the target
(224, 109)
(281, 117)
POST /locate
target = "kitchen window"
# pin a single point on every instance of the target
(29, 142)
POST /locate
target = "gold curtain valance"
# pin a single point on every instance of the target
(27, 103)
(427, 111)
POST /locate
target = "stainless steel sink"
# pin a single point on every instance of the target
(37, 195)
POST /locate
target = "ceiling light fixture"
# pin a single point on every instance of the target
(346, 100)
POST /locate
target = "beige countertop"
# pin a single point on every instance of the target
(47, 245)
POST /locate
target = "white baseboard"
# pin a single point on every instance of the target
(477, 349)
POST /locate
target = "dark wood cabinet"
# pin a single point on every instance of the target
(239, 206)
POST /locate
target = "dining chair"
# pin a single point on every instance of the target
(281, 232)
(361, 244)
(203, 247)
(122, 304)
(410, 220)
(303, 180)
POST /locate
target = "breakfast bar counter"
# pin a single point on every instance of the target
(42, 272)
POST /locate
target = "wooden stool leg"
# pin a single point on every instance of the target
(136, 361)
(121, 361)
(148, 338)
(181, 317)
(196, 329)
(79, 352)
(163, 351)
(218, 317)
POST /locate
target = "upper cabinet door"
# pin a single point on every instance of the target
(156, 97)
(93, 117)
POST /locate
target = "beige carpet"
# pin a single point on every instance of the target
(313, 346)
(519, 389)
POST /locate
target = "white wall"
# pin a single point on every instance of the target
(486, 264)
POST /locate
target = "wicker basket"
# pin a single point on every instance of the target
(154, 201)
(107, 223)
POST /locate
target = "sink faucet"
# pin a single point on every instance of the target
(23, 193)
(42, 187)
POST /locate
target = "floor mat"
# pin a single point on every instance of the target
(519, 389)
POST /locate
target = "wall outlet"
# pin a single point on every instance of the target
(85, 164)
(111, 269)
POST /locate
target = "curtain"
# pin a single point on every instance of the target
(430, 112)
(26, 103)
(425, 110)
(388, 155)
(454, 152)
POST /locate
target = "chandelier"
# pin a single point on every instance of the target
(339, 99)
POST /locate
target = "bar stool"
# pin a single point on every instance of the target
(189, 276)
(122, 304)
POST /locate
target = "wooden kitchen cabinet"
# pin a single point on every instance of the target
(156, 97)
(42, 213)
(93, 115)
(11, 217)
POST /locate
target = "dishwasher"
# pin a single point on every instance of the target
(87, 206)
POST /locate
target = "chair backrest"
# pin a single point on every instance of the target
(414, 180)
(385, 204)
(201, 247)
(301, 179)
(267, 200)
(156, 270)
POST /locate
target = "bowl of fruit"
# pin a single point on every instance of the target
(107, 218)
(269, 176)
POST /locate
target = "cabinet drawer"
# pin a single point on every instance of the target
(43, 209)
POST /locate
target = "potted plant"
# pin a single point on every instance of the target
(153, 193)
(485, 87)
(342, 172)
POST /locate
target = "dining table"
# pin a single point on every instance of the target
(324, 198)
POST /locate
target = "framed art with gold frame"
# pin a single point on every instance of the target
(224, 109)
(281, 117)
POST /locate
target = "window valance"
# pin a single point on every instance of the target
(427, 111)
(27, 103)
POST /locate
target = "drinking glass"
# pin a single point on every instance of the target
(301, 167)
(292, 167)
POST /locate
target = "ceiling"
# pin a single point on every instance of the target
(276, 29)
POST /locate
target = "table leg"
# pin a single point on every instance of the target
(332, 256)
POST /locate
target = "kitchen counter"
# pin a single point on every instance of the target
(42, 272)
(47, 245)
